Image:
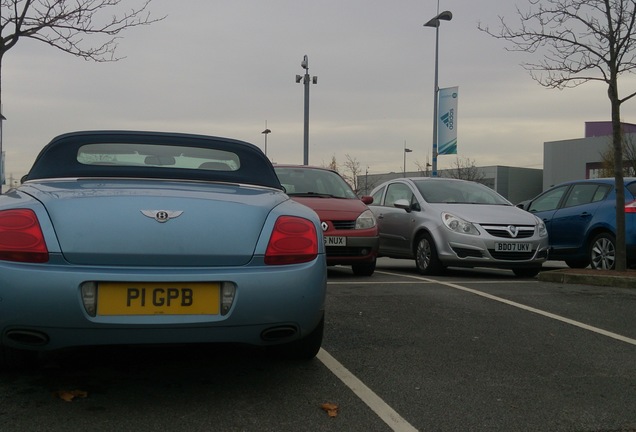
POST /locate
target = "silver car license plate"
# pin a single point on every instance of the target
(335, 241)
(513, 247)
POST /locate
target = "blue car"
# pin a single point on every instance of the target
(121, 237)
(581, 220)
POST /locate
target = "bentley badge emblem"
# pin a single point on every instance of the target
(162, 215)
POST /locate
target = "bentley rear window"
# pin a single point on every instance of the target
(153, 155)
(164, 156)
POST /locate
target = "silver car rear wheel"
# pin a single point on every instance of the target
(426, 259)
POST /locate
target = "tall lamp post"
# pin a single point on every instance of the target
(435, 22)
(266, 132)
(406, 150)
(306, 79)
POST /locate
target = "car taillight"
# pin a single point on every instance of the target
(21, 238)
(294, 240)
(630, 207)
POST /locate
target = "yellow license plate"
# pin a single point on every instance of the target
(148, 298)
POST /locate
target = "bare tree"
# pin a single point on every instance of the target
(65, 24)
(465, 169)
(629, 159)
(423, 168)
(351, 172)
(581, 41)
(332, 165)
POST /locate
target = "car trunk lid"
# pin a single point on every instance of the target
(137, 223)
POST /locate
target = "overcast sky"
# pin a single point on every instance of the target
(226, 67)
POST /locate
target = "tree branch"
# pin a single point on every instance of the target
(66, 25)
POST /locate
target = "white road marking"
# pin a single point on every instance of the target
(395, 421)
(382, 409)
(487, 282)
(522, 306)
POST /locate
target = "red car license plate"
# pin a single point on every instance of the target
(335, 241)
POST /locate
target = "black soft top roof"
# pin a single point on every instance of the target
(59, 158)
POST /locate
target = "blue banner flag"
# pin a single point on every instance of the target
(447, 121)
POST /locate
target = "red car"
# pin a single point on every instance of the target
(349, 227)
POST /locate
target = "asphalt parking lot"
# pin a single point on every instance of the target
(469, 350)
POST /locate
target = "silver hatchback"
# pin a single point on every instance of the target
(443, 222)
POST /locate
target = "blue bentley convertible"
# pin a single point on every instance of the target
(120, 237)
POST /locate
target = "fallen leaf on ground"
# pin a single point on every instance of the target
(69, 395)
(331, 409)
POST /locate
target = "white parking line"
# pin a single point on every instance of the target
(373, 401)
(370, 283)
(522, 306)
(489, 282)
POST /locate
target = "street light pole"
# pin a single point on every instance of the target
(266, 132)
(435, 22)
(306, 79)
(406, 150)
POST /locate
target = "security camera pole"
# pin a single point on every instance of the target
(306, 80)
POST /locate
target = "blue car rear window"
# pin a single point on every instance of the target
(152, 155)
(158, 155)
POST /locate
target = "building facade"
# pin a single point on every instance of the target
(580, 158)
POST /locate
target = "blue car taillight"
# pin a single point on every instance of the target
(21, 237)
(294, 240)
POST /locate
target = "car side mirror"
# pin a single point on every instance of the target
(367, 199)
(524, 205)
(403, 204)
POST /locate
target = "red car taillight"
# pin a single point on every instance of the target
(294, 240)
(630, 207)
(21, 238)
